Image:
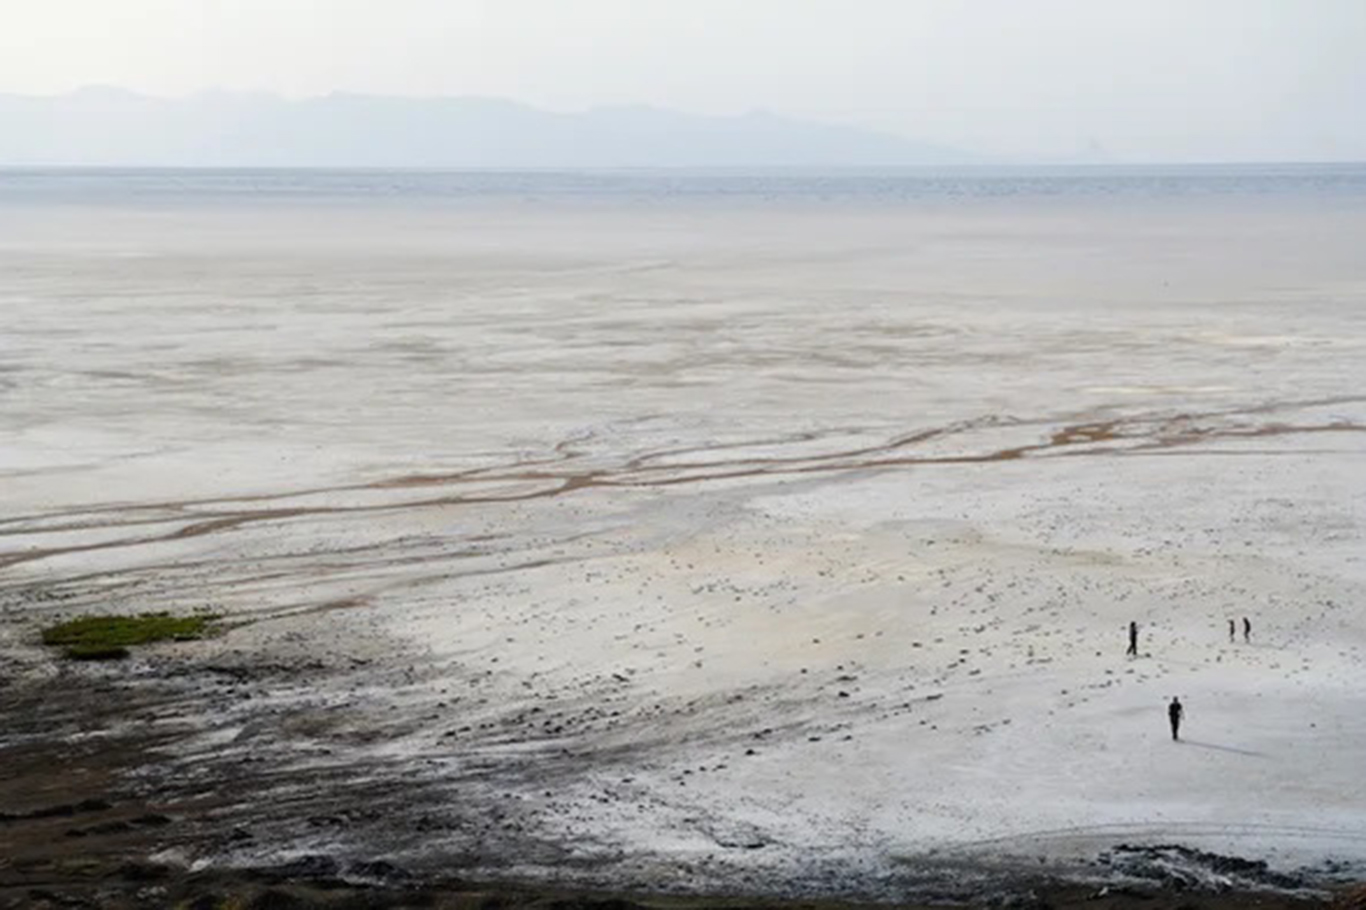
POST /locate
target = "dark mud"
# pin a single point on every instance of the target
(216, 762)
(107, 801)
(133, 885)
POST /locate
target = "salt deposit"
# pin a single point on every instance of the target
(727, 546)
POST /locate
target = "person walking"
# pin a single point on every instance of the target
(1133, 640)
(1232, 631)
(1247, 630)
(1174, 714)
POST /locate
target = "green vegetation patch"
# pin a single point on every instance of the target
(109, 637)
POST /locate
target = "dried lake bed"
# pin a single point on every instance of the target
(768, 548)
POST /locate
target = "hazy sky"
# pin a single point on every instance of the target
(1145, 79)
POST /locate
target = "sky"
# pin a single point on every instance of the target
(1137, 80)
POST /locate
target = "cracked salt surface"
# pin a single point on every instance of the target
(737, 569)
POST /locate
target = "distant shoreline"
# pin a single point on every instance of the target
(673, 188)
(999, 170)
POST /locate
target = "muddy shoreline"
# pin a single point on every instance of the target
(105, 801)
(148, 887)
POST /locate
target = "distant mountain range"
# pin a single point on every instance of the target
(111, 127)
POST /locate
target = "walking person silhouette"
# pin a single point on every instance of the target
(1174, 713)
(1232, 631)
(1247, 631)
(1133, 640)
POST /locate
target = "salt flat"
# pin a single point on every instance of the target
(730, 544)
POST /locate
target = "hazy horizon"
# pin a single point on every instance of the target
(1050, 80)
(76, 118)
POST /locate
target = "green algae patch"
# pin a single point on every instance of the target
(110, 637)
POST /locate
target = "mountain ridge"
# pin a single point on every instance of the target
(104, 125)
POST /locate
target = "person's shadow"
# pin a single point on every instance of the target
(1247, 752)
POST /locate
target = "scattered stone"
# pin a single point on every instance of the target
(1179, 868)
(380, 871)
(274, 899)
(313, 867)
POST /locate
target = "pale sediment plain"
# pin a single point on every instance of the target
(758, 547)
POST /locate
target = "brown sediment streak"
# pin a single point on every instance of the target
(481, 473)
(185, 508)
(231, 522)
(1091, 432)
(1092, 438)
(199, 529)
